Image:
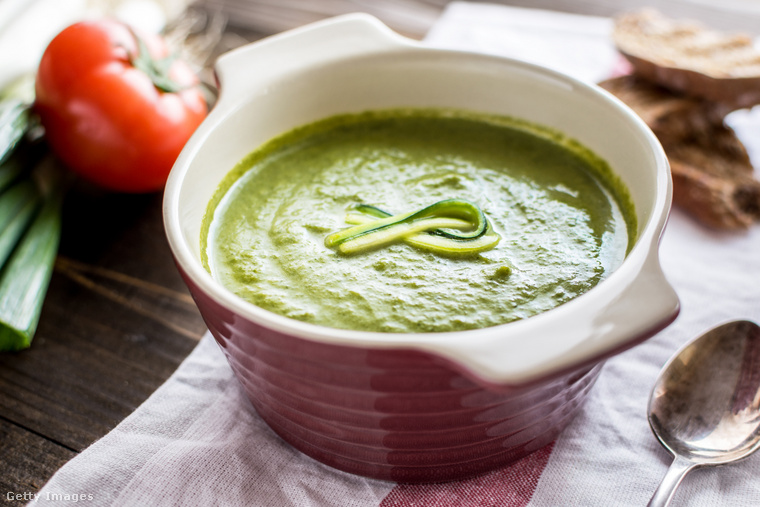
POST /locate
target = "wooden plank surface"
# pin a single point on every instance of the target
(35, 458)
(118, 319)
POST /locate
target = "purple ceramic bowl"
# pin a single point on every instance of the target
(417, 407)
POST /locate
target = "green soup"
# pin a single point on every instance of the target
(564, 219)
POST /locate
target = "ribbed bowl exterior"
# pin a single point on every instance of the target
(397, 415)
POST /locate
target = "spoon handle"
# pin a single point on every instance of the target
(673, 477)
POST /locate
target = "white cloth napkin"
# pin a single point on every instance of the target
(197, 441)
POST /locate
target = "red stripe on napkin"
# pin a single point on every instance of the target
(511, 486)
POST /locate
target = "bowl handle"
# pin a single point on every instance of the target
(252, 67)
(573, 336)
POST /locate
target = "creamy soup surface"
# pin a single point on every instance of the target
(564, 219)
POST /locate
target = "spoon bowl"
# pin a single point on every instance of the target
(705, 405)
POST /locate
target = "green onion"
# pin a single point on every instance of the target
(14, 124)
(30, 218)
(18, 206)
(435, 228)
(16, 119)
(25, 277)
(10, 171)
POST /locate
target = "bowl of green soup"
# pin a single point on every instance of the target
(417, 260)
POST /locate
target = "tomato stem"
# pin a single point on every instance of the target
(156, 69)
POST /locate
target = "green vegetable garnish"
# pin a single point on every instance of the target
(15, 117)
(448, 227)
(18, 206)
(30, 218)
(24, 279)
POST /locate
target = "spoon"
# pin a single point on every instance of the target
(705, 405)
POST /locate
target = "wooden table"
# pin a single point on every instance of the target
(117, 320)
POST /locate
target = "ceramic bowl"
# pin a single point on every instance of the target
(416, 407)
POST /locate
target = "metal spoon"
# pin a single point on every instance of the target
(705, 405)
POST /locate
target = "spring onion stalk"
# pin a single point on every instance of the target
(25, 277)
(14, 123)
(16, 119)
(449, 227)
(22, 162)
(18, 206)
(30, 217)
(10, 171)
(13, 200)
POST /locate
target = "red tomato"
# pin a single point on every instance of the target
(110, 111)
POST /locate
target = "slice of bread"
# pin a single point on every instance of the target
(713, 178)
(686, 57)
(670, 116)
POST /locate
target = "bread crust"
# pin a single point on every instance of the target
(687, 57)
(670, 116)
(713, 177)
